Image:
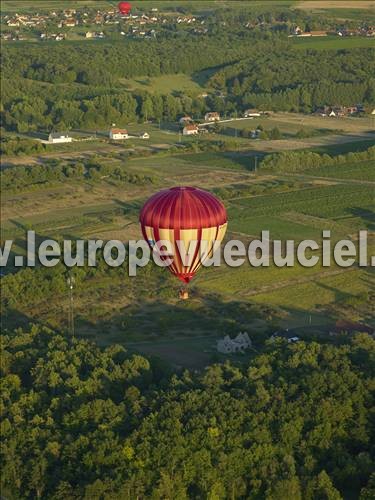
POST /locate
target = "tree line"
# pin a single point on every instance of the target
(299, 161)
(14, 179)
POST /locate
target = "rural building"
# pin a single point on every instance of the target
(94, 34)
(313, 33)
(184, 120)
(291, 340)
(118, 133)
(190, 130)
(338, 111)
(211, 117)
(251, 112)
(70, 23)
(144, 135)
(59, 137)
(238, 344)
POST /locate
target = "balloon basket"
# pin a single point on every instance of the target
(183, 294)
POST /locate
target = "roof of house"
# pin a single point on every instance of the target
(191, 127)
(57, 135)
(119, 131)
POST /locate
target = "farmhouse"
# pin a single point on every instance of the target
(251, 112)
(238, 344)
(59, 137)
(190, 130)
(211, 117)
(70, 23)
(144, 135)
(118, 133)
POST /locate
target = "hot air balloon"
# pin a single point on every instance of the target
(186, 215)
(124, 8)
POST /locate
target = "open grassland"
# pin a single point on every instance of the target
(291, 122)
(335, 4)
(165, 5)
(164, 84)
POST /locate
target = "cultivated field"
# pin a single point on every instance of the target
(335, 4)
(115, 308)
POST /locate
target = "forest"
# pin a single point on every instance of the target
(83, 422)
(56, 89)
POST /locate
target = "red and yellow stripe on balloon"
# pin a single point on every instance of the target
(190, 221)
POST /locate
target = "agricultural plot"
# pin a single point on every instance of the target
(362, 171)
(324, 201)
(113, 308)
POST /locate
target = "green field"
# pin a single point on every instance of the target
(114, 308)
(164, 84)
(364, 171)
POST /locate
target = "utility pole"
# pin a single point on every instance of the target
(70, 282)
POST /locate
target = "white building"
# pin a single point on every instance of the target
(144, 135)
(293, 339)
(238, 344)
(211, 117)
(190, 130)
(118, 133)
(250, 113)
(59, 137)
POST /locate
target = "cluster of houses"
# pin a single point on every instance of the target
(239, 344)
(362, 31)
(339, 111)
(57, 37)
(137, 25)
(191, 128)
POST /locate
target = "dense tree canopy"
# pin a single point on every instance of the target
(82, 422)
(261, 70)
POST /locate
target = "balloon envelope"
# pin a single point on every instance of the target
(190, 216)
(124, 7)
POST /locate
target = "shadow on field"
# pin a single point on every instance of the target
(367, 216)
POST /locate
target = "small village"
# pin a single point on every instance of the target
(142, 25)
(59, 25)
